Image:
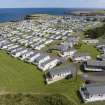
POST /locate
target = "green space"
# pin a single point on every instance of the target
(96, 32)
(88, 48)
(19, 77)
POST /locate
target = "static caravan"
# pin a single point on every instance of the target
(49, 64)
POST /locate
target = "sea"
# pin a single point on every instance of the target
(16, 14)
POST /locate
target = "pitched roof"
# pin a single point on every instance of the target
(95, 63)
(93, 89)
(48, 61)
(42, 56)
(61, 70)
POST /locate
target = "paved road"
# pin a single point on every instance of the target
(94, 77)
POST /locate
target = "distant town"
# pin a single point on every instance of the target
(60, 49)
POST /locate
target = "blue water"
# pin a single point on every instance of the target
(12, 14)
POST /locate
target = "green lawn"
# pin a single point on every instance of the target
(17, 76)
(89, 49)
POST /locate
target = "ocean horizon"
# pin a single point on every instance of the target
(15, 14)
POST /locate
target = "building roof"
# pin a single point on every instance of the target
(34, 54)
(93, 89)
(42, 56)
(61, 70)
(48, 61)
(101, 43)
(95, 63)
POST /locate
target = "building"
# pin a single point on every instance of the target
(101, 57)
(32, 57)
(90, 41)
(42, 58)
(19, 53)
(12, 47)
(27, 54)
(93, 65)
(93, 92)
(72, 40)
(68, 53)
(59, 73)
(49, 64)
(100, 45)
(80, 57)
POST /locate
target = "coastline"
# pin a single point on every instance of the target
(17, 14)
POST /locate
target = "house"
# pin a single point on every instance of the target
(100, 45)
(39, 47)
(2, 42)
(48, 41)
(26, 55)
(5, 45)
(12, 47)
(19, 52)
(90, 41)
(15, 50)
(80, 57)
(42, 58)
(32, 57)
(68, 53)
(93, 92)
(60, 73)
(49, 64)
(11, 50)
(102, 49)
(72, 40)
(101, 57)
(93, 65)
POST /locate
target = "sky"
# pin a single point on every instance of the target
(52, 3)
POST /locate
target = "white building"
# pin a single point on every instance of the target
(49, 64)
(80, 57)
(60, 73)
(93, 92)
(42, 58)
(90, 41)
(27, 54)
(32, 57)
(68, 53)
(92, 65)
(19, 53)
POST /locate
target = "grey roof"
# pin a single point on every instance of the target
(61, 70)
(6, 43)
(93, 89)
(101, 43)
(102, 56)
(32, 55)
(48, 61)
(20, 50)
(11, 49)
(42, 56)
(95, 63)
(16, 49)
(63, 47)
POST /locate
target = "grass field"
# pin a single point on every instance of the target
(17, 76)
(89, 49)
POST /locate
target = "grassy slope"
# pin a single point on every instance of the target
(17, 76)
(89, 49)
(32, 99)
